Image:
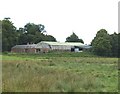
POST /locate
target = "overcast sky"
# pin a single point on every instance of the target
(62, 17)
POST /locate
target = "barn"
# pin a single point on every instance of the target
(62, 46)
(46, 46)
(29, 48)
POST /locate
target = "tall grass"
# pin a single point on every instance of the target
(37, 73)
(54, 54)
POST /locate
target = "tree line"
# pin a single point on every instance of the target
(30, 33)
(103, 43)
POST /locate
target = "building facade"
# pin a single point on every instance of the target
(45, 46)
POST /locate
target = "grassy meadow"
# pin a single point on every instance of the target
(59, 72)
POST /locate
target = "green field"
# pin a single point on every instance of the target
(59, 72)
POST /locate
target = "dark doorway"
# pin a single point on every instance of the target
(76, 49)
(38, 50)
(72, 49)
(26, 50)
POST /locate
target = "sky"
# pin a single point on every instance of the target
(62, 17)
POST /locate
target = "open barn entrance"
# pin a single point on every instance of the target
(38, 50)
(76, 49)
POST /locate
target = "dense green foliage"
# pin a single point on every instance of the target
(101, 43)
(74, 38)
(115, 42)
(59, 72)
(31, 33)
(104, 44)
(9, 35)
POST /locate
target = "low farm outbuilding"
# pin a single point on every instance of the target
(46, 46)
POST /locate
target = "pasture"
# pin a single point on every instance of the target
(59, 72)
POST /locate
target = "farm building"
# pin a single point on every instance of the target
(45, 46)
(24, 48)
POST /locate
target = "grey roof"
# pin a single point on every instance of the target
(47, 44)
(39, 45)
(87, 46)
(64, 43)
(42, 45)
(25, 46)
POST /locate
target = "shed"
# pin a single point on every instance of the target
(62, 46)
(46, 46)
(29, 48)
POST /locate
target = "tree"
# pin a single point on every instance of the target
(31, 28)
(9, 35)
(49, 38)
(32, 33)
(119, 45)
(114, 43)
(74, 38)
(101, 43)
(41, 28)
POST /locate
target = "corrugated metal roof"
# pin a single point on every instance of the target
(42, 45)
(64, 43)
(25, 46)
(47, 44)
(87, 47)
